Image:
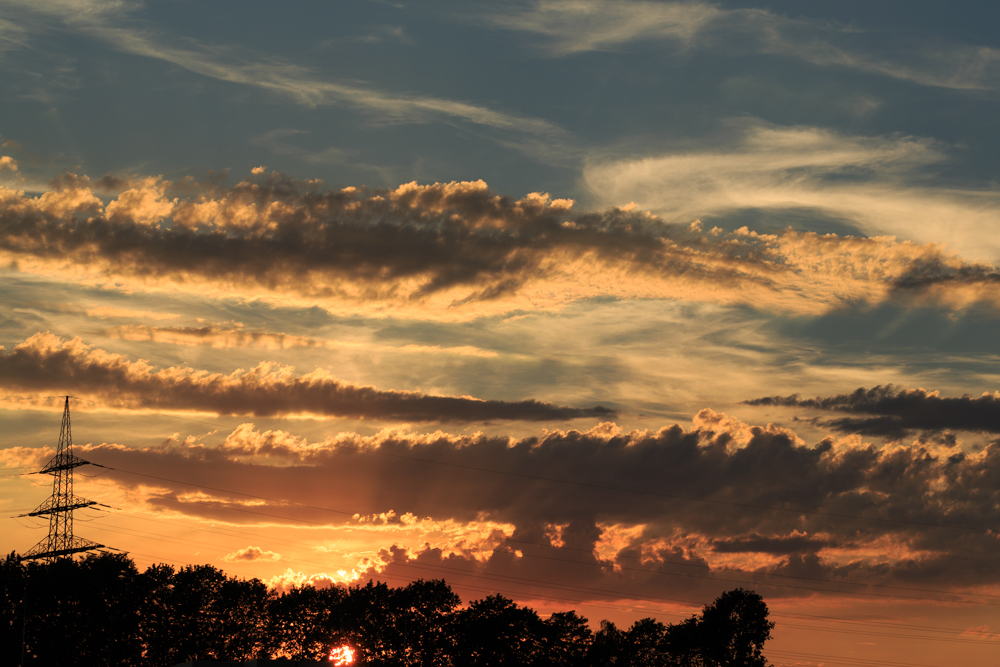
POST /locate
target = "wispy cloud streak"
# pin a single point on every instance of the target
(575, 26)
(109, 22)
(237, 337)
(882, 185)
(46, 363)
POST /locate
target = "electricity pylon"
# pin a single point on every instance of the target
(60, 505)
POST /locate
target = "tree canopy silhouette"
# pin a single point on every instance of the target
(101, 610)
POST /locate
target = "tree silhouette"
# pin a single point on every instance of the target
(428, 609)
(682, 643)
(566, 639)
(734, 629)
(101, 610)
(643, 643)
(302, 622)
(608, 647)
(495, 632)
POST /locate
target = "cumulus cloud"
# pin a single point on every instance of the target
(290, 579)
(446, 251)
(896, 411)
(649, 512)
(252, 554)
(46, 363)
(7, 162)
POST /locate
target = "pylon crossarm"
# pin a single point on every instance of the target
(42, 550)
(52, 509)
(62, 462)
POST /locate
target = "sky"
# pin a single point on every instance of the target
(606, 305)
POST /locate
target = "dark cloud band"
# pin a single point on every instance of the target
(45, 363)
(896, 411)
(845, 502)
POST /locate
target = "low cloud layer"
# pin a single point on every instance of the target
(644, 513)
(894, 412)
(47, 364)
(447, 251)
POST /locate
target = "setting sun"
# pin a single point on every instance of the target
(342, 655)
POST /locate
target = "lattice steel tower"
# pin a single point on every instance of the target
(62, 502)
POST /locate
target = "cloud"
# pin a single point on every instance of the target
(237, 337)
(301, 85)
(782, 544)
(878, 184)
(379, 34)
(453, 251)
(7, 162)
(46, 363)
(252, 554)
(107, 312)
(666, 512)
(110, 22)
(931, 276)
(289, 579)
(576, 26)
(981, 632)
(896, 412)
(274, 142)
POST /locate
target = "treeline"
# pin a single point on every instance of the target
(102, 611)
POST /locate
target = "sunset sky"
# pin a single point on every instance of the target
(605, 305)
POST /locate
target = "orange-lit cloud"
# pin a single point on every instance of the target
(291, 579)
(644, 513)
(46, 363)
(451, 251)
(252, 554)
(107, 312)
(237, 337)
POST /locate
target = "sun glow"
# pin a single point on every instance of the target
(342, 655)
